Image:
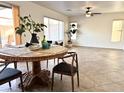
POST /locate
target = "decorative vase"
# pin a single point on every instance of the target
(34, 38)
(45, 44)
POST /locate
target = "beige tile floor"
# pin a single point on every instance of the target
(100, 70)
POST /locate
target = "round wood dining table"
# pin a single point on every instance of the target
(23, 54)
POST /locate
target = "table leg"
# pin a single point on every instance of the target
(37, 76)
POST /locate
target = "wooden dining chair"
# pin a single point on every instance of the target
(65, 68)
(9, 74)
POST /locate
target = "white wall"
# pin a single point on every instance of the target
(38, 12)
(96, 31)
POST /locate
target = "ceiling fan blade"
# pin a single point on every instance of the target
(96, 13)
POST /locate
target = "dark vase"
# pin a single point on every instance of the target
(34, 38)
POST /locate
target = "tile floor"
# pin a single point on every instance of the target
(100, 70)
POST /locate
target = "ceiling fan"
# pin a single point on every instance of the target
(88, 12)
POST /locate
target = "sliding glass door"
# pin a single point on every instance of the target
(54, 30)
(7, 34)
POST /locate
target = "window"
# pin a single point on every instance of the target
(7, 34)
(117, 28)
(54, 30)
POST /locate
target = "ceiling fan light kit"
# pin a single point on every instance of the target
(88, 15)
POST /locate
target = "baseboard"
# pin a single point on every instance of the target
(97, 47)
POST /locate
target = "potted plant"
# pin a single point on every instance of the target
(70, 32)
(28, 24)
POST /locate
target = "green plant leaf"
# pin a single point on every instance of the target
(25, 17)
(37, 30)
(74, 31)
(21, 18)
(70, 31)
(27, 24)
(42, 29)
(22, 26)
(42, 25)
(20, 31)
(38, 25)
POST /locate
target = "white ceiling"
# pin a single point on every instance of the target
(78, 7)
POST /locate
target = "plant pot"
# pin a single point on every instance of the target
(34, 38)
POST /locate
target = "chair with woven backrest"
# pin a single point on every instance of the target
(9, 74)
(65, 68)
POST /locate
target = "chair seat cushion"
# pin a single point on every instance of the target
(64, 68)
(8, 73)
